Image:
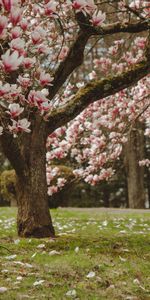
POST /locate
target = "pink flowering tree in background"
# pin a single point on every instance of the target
(55, 65)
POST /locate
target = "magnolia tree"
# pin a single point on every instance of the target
(42, 44)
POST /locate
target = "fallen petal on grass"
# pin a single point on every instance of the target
(38, 282)
(71, 293)
(54, 252)
(41, 246)
(11, 257)
(90, 274)
(3, 289)
(76, 249)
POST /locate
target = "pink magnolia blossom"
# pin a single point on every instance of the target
(7, 4)
(15, 110)
(64, 52)
(61, 182)
(79, 5)
(50, 8)
(28, 62)
(3, 24)
(14, 91)
(39, 100)
(25, 82)
(18, 44)
(98, 18)
(36, 98)
(144, 162)
(86, 6)
(52, 189)
(45, 79)
(4, 89)
(36, 37)
(11, 61)
(15, 15)
(24, 24)
(16, 32)
(20, 125)
(140, 42)
(135, 4)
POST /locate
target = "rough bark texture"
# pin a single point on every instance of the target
(33, 219)
(33, 212)
(134, 152)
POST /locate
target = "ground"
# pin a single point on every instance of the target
(97, 255)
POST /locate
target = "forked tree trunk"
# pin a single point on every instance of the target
(33, 218)
(134, 151)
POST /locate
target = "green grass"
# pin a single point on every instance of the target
(116, 247)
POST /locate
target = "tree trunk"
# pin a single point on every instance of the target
(134, 151)
(33, 218)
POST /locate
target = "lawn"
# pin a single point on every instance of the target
(96, 255)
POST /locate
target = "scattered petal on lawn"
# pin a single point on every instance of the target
(28, 265)
(34, 255)
(16, 242)
(41, 246)
(62, 233)
(71, 293)
(19, 263)
(131, 298)
(8, 279)
(143, 288)
(3, 289)
(54, 252)
(136, 281)
(11, 256)
(111, 286)
(122, 259)
(4, 271)
(76, 249)
(19, 278)
(38, 282)
(105, 223)
(91, 274)
(52, 240)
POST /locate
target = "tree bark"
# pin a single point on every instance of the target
(134, 151)
(33, 218)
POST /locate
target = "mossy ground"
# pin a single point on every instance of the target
(116, 247)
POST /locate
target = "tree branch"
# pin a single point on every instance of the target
(117, 27)
(94, 91)
(73, 60)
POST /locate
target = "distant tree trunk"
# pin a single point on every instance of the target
(106, 196)
(134, 151)
(13, 202)
(33, 218)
